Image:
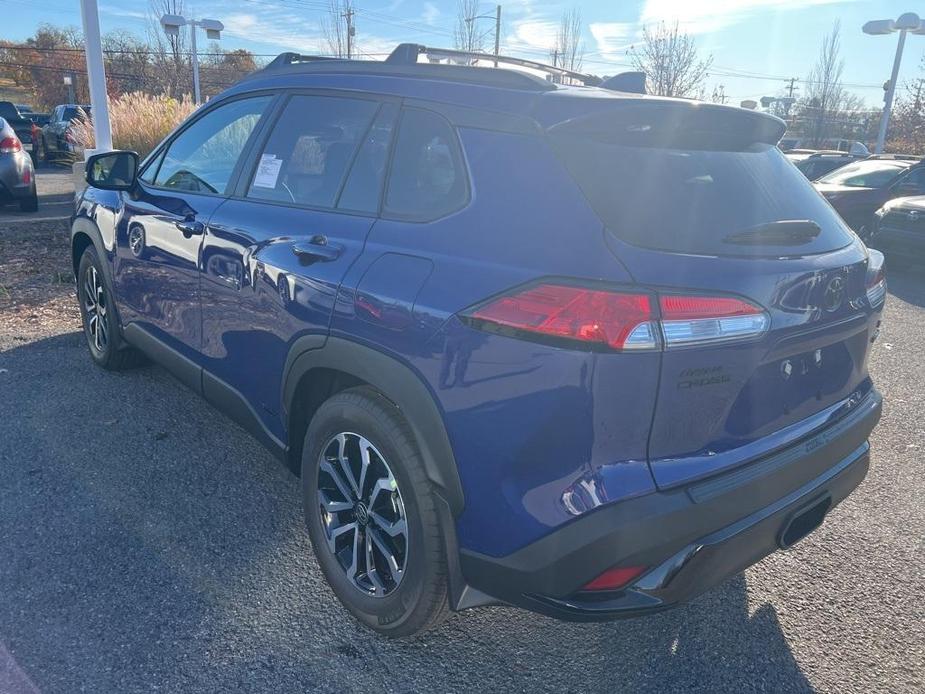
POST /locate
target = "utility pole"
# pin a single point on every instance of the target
(348, 15)
(791, 88)
(497, 34)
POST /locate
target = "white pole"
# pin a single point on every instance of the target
(192, 30)
(888, 101)
(96, 75)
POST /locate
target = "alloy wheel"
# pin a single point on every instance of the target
(362, 514)
(95, 309)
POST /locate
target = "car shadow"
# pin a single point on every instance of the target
(147, 542)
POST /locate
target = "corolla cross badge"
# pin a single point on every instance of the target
(834, 294)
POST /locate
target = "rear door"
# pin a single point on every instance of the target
(275, 254)
(766, 326)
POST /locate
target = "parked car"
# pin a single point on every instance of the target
(24, 109)
(788, 144)
(520, 348)
(858, 190)
(21, 125)
(17, 176)
(898, 229)
(56, 141)
(813, 165)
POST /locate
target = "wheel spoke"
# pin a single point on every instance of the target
(387, 553)
(391, 528)
(384, 484)
(364, 465)
(372, 573)
(345, 464)
(337, 531)
(335, 475)
(355, 561)
(332, 506)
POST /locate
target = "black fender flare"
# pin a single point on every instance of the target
(398, 383)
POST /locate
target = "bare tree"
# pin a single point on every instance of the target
(171, 55)
(569, 51)
(671, 61)
(824, 96)
(907, 122)
(466, 35)
(336, 27)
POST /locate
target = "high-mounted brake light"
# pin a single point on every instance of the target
(876, 279)
(615, 578)
(622, 320)
(617, 320)
(689, 320)
(10, 145)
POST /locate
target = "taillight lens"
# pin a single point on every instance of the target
(689, 320)
(616, 320)
(621, 320)
(10, 145)
(876, 279)
(615, 578)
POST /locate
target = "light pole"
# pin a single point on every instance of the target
(497, 17)
(213, 29)
(906, 24)
(96, 76)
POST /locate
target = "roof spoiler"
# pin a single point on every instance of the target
(630, 82)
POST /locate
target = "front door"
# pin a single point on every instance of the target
(159, 237)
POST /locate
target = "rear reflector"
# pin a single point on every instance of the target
(615, 578)
(612, 319)
(689, 320)
(620, 320)
(10, 145)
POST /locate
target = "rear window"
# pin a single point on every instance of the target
(73, 112)
(691, 200)
(864, 174)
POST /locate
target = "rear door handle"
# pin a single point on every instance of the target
(190, 227)
(317, 248)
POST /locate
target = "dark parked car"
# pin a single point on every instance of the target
(858, 190)
(898, 229)
(816, 164)
(583, 352)
(19, 122)
(56, 141)
(17, 176)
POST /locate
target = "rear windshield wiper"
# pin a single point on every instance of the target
(786, 232)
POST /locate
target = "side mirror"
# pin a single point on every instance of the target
(112, 170)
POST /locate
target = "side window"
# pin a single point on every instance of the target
(202, 158)
(428, 178)
(363, 188)
(310, 149)
(150, 171)
(916, 177)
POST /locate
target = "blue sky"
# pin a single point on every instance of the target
(752, 41)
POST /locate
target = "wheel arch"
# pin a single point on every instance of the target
(320, 367)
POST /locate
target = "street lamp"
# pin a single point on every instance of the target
(906, 24)
(213, 29)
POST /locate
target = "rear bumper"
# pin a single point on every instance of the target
(690, 538)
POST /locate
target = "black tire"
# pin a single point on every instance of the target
(107, 348)
(419, 600)
(30, 204)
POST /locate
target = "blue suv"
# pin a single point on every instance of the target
(528, 341)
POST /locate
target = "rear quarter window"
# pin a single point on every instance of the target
(428, 178)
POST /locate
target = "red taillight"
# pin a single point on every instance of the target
(875, 282)
(691, 320)
(10, 145)
(27, 176)
(615, 319)
(615, 578)
(683, 307)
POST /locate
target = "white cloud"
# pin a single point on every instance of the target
(702, 16)
(612, 38)
(431, 14)
(288, 31)
(535, 34)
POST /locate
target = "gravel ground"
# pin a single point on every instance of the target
(146, 543)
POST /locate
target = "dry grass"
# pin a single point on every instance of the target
(139, 121)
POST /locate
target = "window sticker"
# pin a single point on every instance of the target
(267, 171)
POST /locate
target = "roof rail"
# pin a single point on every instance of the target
(408, 54)
(284, 59)
(896, 157)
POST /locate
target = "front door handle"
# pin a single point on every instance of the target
(317, 248)
(190, 227)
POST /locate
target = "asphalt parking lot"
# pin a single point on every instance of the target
(55, 185)
(146, 543)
